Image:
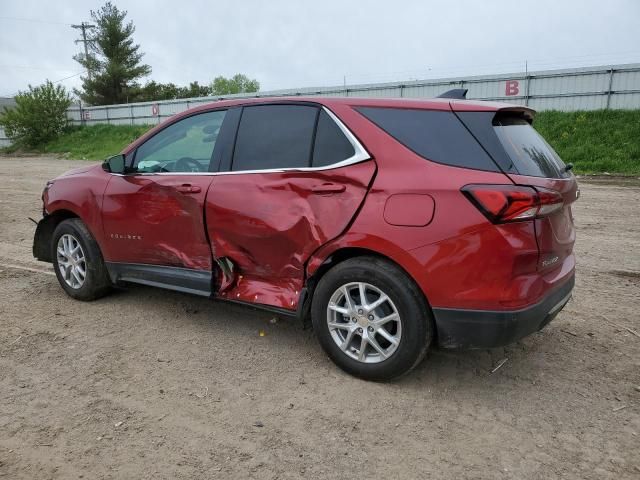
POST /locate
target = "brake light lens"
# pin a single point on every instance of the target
(513, 203)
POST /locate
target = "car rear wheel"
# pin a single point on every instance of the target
(371, 318)
(77, 261)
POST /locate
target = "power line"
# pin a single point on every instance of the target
(35, 20)
(53, 81)
(67, 78)
(29, 67)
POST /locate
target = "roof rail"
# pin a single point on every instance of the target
(457, 93)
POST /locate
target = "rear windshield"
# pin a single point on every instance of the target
(527, 150)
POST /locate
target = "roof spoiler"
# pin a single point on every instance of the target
(456, 93)
(526, 112)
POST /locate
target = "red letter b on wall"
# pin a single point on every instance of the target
(511, 88)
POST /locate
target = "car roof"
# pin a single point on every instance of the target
(413, 103)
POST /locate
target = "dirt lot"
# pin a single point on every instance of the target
(153, 384)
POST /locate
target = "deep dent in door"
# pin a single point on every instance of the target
(263, 227)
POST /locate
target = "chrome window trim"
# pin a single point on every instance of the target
(360, 155)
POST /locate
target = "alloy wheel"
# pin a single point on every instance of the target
(364, 322)
(71, 261)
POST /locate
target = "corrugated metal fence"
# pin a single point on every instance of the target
(592, 88)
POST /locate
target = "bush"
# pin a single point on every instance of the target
(40, 115)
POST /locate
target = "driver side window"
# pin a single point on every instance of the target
(185, 146)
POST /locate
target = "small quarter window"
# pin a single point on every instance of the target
(331, 146)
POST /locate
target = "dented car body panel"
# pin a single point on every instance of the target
(269, 224)
(148, 220)
(79, 193)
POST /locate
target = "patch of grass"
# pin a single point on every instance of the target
(599, 141)
(95, 142)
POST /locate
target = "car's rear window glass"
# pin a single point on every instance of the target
(529, 152)
(274, 136)
(331, 145)
(435, 135)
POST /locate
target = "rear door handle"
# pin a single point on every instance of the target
(328, 188)
(188, 188)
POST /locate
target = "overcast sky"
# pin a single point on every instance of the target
(300, 43)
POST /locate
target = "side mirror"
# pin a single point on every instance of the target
(115, 164)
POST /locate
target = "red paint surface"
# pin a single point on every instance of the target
(269, 224)
(277, 231)
(409, 209)
(555, 234)
(79, 192)
(167, 225)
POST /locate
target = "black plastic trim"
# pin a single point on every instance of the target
(42, 238)
(471, 329)
(225, 143)
(259, 306)
(197, 282)
(455, 93)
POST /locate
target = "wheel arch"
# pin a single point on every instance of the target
(342, 254)
(44, 233)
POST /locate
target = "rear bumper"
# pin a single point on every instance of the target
(487, 329)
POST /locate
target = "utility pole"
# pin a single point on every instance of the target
(84, 26)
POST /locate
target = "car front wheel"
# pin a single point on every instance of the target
(78, 262)
(371, 318)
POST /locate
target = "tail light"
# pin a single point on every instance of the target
(513, 203)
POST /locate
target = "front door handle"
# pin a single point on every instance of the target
(188, 188)
(328, 188)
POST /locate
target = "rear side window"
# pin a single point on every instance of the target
(435, 135)
(274, 136)
(530, 153)
(331, 146)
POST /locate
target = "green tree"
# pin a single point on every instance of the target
(195, 90)
(239, 83)
(153, 90)
(114, 62)
(40, 115)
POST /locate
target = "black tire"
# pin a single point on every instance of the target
(415, 314)
(96, 281)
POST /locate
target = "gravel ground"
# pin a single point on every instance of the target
(153, 384)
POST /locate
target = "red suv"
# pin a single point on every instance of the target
(390, 223)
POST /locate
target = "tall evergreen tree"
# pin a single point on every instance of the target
(114, 62)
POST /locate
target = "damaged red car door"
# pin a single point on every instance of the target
(153, 215)
(295, 180)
